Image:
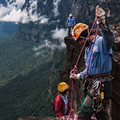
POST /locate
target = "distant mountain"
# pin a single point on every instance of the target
(7, 28)
(30, 59)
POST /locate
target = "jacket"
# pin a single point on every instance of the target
(101, 59)
(59, 106)
(70, 22)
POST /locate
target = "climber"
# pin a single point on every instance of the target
(98, 79)
(62, 103)
(70, 23)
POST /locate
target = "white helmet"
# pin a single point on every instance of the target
(70, 15)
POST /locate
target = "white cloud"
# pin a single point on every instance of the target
(14, 16)
(43, 19)
(60, 34)
(12, 12)
(55, 10)
(44, 2)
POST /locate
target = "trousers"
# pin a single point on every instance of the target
(69, 30)
(102, 114)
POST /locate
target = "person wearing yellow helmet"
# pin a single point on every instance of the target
(62, 103)
(98, 81)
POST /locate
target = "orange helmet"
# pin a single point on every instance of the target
(62, 86)
(78, 29)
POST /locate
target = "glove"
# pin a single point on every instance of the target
(100, 14)
(75, 76)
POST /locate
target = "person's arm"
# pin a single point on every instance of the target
(83, 74)
(108, 37)
(67, 22)
(74, 22)
(58, 111)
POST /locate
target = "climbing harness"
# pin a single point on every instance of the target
(97, 86)
(90, 107)
(97, 98)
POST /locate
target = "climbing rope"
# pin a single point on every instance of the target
(71, 101)
(75, 67)
(86, 106)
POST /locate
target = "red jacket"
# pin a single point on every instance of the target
(60, 106)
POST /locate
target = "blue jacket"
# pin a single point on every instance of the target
(101, 59)
(70, 21)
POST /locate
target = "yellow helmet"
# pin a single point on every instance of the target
(62, 86)
(78, 29)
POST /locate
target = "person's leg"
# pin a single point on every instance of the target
(103, 114)
(84, 116)
(69, 30)
(86, 110)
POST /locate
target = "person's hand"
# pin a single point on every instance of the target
(75, 76)
(100, 14)
(66, 25)
(62, 118)
(72, 111)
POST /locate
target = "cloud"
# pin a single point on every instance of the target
(43, 19)
(55, 10)
(60, 34)
(12, 12)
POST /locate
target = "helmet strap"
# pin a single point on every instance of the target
(84, 37)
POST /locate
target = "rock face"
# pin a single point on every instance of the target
(39, 118)
(72, 53)
(116, 74)
(73, 50)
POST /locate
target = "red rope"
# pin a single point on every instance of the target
(71, 95)
(71, 101)
(75, 67)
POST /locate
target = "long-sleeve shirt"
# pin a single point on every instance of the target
(65, 99)
(70, 21)
(59, 106)
(101, 59)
